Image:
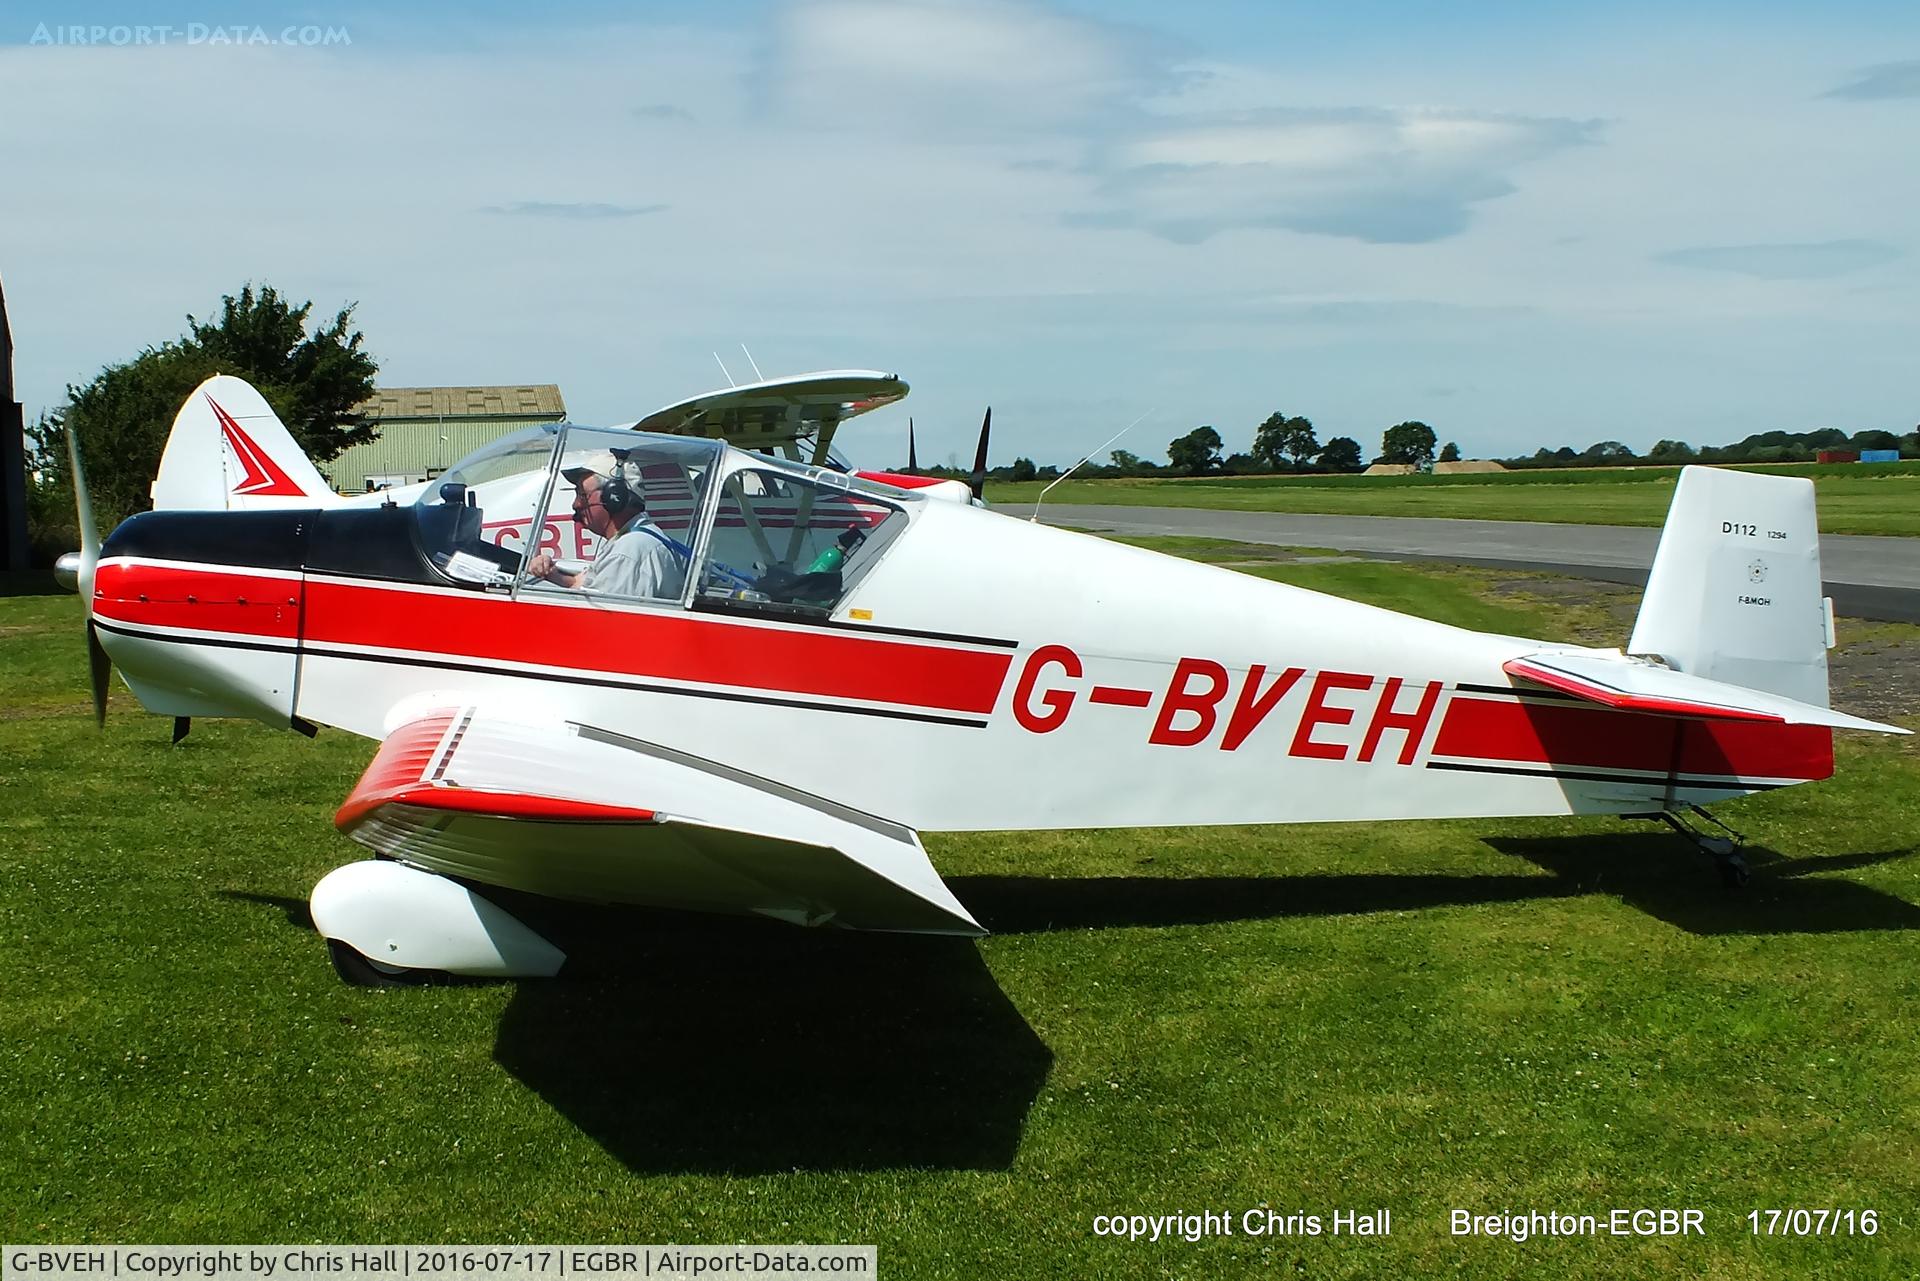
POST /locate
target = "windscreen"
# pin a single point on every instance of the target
(621, 515)
(471, 524)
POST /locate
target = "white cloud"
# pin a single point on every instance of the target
(1887, 80)
(1373, 175)
(952, 69)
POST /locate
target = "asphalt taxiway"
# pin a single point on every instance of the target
(1868, 577)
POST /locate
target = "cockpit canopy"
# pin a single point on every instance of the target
(620, 515)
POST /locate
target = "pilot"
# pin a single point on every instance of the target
(635, 557)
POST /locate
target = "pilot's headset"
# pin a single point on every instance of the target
(620, 489)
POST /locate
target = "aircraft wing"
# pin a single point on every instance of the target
(1632, 684)
(778, 412)
(576, 811)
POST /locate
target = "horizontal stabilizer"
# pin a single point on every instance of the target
(1636, 685)
(573, 811)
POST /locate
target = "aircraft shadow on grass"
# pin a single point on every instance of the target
(693, 1044)
(696, 1045)
(1659, 875)
(689, 1044)
(1654, 872)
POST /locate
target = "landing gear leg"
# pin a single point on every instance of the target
(1725, 852)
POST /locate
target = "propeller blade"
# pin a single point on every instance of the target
(978, 481)
(99, 670)
(181, 724)
(99, 666)
(89, 532)
(913, 459)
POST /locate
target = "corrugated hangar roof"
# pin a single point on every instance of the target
(535, 400)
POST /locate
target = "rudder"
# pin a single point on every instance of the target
(1734, 594)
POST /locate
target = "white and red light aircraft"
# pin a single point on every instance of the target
(847, 663)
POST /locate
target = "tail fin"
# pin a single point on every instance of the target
(230, 452)
(1734, 595)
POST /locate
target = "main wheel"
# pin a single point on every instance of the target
(1734, 873)
(360, 971)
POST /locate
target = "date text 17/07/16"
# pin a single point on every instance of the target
(1801, 1222)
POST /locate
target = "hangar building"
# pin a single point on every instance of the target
(425, 430)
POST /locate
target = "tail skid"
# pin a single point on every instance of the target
(229, 451)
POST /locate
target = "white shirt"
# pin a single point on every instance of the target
(636, 562)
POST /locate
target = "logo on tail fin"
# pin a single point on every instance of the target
(260, 474)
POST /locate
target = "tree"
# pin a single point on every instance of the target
(1197, 452)
(122, 416)
(1125, 463)
(1449, 453)
(1608, 453)
(1280, 437)
(1408, 443)
(1023, 469)
(313, 381)
(1670, 451)
(1341, 454)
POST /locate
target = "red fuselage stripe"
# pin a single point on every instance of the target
(1596, 737)
(664, 645)
(203, 600)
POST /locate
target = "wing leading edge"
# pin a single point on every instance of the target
(575, 811)
(779, 411)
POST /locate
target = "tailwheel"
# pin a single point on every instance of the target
(1723, 850)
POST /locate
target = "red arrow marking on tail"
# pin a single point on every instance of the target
(261, 474)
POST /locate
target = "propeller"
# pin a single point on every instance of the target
(978, 481)
(99, 666)
(913, 459)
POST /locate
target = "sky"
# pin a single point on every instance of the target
(1527, 225)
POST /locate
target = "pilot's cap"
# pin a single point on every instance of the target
(602, 464)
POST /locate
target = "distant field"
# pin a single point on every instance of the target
(1852, 499)
(1566, 1015)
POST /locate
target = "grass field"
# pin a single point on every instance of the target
(1852, 500)
(1563, 1015)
